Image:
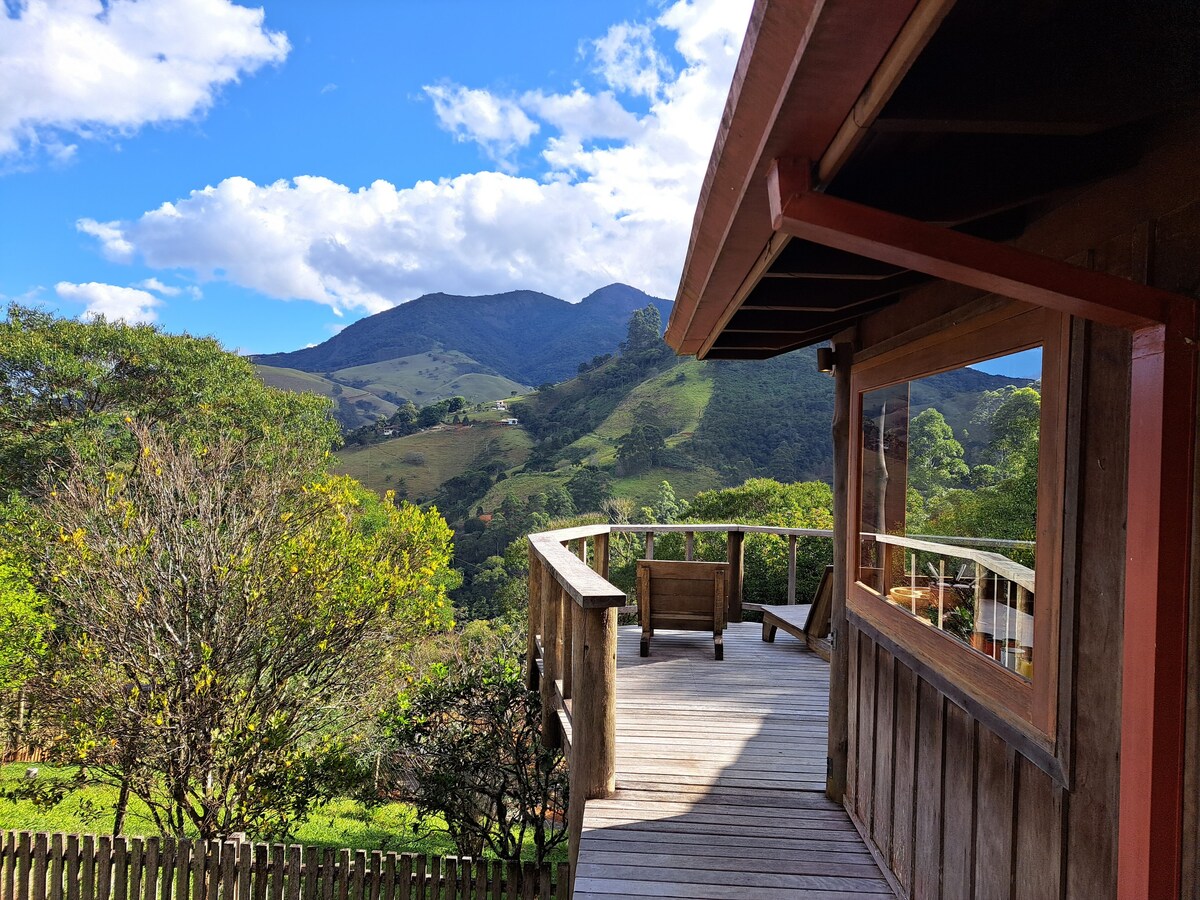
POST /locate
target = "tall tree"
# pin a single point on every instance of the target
(223, 619)
(935, 457)
(68, 386)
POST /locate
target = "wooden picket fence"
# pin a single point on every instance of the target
(39, 866)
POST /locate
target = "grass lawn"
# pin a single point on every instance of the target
(340, 823)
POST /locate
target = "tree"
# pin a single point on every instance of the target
(559, 503)
(666, 508)
(589, 488)
(935, 457)
(644, 331)
(467, 738)
(223, 619)
(640, 448)
(67, 386)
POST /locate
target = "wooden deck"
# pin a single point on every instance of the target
(721, 778)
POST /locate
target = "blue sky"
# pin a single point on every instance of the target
(268, 175)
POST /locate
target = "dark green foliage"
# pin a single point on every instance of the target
(465, 740)
(68, 386)
(523, 335)
(640, 449)
(589, 488)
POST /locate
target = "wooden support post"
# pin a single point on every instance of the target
(551, 656)
(594, 719)
(649, 545)
(568, 614)
(1154, 652)
(689, 545)
(581, 550)
(791, 582)
(843, 558)
(534, 620)
(736, 559)
(600, 554)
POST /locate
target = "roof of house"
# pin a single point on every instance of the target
(972, 115)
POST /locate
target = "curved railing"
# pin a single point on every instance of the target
(572, 651)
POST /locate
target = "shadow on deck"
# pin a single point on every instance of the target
(721, 778)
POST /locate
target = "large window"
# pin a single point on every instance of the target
(957, 490)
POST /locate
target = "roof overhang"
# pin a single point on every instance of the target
(964, 115)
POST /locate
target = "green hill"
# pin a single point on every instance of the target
(425, 378)
(355, 406)
(417, 465)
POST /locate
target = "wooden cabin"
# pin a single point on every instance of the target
(927, 185)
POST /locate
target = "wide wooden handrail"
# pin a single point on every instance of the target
(992, 562)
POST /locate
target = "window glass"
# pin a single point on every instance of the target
(948, 502)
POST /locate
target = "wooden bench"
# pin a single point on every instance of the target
(685, 596)
(808, 622)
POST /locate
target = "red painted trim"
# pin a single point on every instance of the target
(1154, 658)
(962, 258)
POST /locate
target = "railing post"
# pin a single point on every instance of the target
(736, 560)
(791, 582)
(600, 555)
(649, 545)
(551, 656)
(534, 619)
(594, 717)
(689, 545)
(568, 640)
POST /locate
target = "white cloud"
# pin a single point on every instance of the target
(153, 284)
(498, 125)
(612, 199)
(628, 58)
(90, 68)
(111, 301)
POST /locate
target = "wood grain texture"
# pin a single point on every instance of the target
(721, 778)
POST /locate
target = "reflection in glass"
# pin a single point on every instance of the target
(948, 505)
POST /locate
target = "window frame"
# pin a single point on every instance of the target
(1019, 708)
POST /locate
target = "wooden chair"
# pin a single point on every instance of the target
(686, 596)
(808, 622)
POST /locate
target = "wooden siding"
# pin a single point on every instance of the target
(956, 810)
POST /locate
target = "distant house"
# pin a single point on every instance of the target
(388, 432)
(509, 422)
(500, 405)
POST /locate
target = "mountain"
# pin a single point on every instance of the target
(523, 336)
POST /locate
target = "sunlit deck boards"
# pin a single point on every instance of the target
(721, 778)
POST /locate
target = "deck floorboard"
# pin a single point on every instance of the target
(721, 778)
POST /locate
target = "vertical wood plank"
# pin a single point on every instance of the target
(150, 869)
(120, 856)
(74, 875)
(310, 874)
(166, 865)
(449, 879)
(568, 636)
(278, 868)
(376, 874)
(904, 774)
(212, 869)
(545, 885)
(245, 874)
(864, 801)
(791, 569)
(183, 865)
(1039, 834)
(737, 558)
(885, 752)
(293, 872)
(529, 881)
(136, 862)
(228, 887)
(551, 656)
(497, 880)
(404, 878)
(481, 872)
(958, 819)
(88, 863)
(927, 834)
(649, 545)
(512, 883)
(387, 890)
(850, 651)
(358, 878)
(8, 842)
(24, 864)
(57, 865)
(41, 858)
(996, 818)
(104, 867)
(420, 885)
(563, 881)
(262, 870)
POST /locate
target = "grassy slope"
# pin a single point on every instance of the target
(295, 380)
(428, 377)
(444, 452)
(676, 400)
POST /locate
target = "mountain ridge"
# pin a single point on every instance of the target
(525, 336)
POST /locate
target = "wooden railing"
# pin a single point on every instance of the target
(572, 651)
